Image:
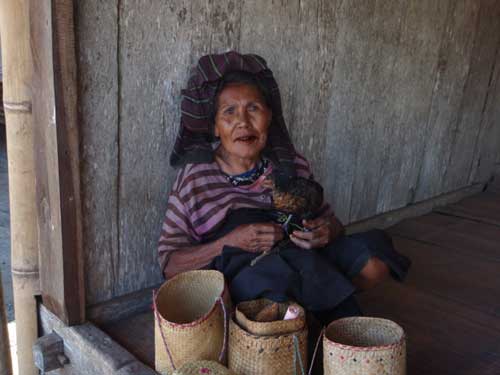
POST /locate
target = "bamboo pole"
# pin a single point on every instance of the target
(17, 75)
(5, 361)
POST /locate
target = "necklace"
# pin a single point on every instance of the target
(248, 177)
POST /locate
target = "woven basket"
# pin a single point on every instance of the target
(361, 346)
(266, 355)
(190, 322)
(203, 367)
(246, 312)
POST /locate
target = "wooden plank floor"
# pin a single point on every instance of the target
(449, 305)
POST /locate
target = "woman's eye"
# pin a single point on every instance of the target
(253, 107)
(229, 111)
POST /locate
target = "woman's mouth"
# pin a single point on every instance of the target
(246, 139)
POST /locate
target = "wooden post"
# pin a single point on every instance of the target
(5, 361)
(17, 74)
(57, 159)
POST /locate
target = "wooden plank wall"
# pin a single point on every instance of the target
(392, 101)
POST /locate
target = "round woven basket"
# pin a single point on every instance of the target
(203, 368)
(362, 345)
(246, 312)
(266, 355)
(190, 319)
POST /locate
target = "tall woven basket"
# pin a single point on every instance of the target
(270, 352)
(362, 346)
(190, 323)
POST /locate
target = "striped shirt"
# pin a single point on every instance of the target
(200, 199)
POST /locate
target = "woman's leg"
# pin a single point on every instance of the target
(367, 258)
(373, 273)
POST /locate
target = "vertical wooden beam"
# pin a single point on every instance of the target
(17, 96)
(57, 159)
(65, 84)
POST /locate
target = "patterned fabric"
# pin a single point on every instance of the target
(199, 202)
(249, 177)
(195, 138)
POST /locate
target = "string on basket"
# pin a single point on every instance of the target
(296, 355)
(316, 350)
(157, 314)
(224, 343)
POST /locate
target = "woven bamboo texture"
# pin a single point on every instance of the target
(364, 346)
(265, 355)
(246, 312)
(191, 320)
(203, 367)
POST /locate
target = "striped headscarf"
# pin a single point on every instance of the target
(195, 138)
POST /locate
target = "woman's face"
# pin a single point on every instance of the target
(242, 121)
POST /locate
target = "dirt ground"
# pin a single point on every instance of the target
(5, 229)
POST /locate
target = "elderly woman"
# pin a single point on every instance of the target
(233, 142)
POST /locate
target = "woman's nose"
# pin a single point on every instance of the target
(243, 119)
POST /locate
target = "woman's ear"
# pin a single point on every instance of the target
(216, 131)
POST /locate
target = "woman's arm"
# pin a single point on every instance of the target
(192, 257)
(249, 237)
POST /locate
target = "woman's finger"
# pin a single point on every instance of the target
(268, 241)
(253, 247)
(266, 247)
(316, 223)
(279, 234)
(305, 244)
(320, 242)
(317, 238)
(268, 228)
(308, 236)
(262, 246)
(270, 236)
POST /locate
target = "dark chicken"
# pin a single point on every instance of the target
(301, 197)
(293, 201)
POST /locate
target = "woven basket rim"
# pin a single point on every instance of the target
(273, 336)
(200, 319)
(396, 344)
(289, 303)
(301, 318)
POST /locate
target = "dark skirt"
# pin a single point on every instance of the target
(319, 279)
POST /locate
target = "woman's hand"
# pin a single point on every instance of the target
(255, 237)
(323, 230)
